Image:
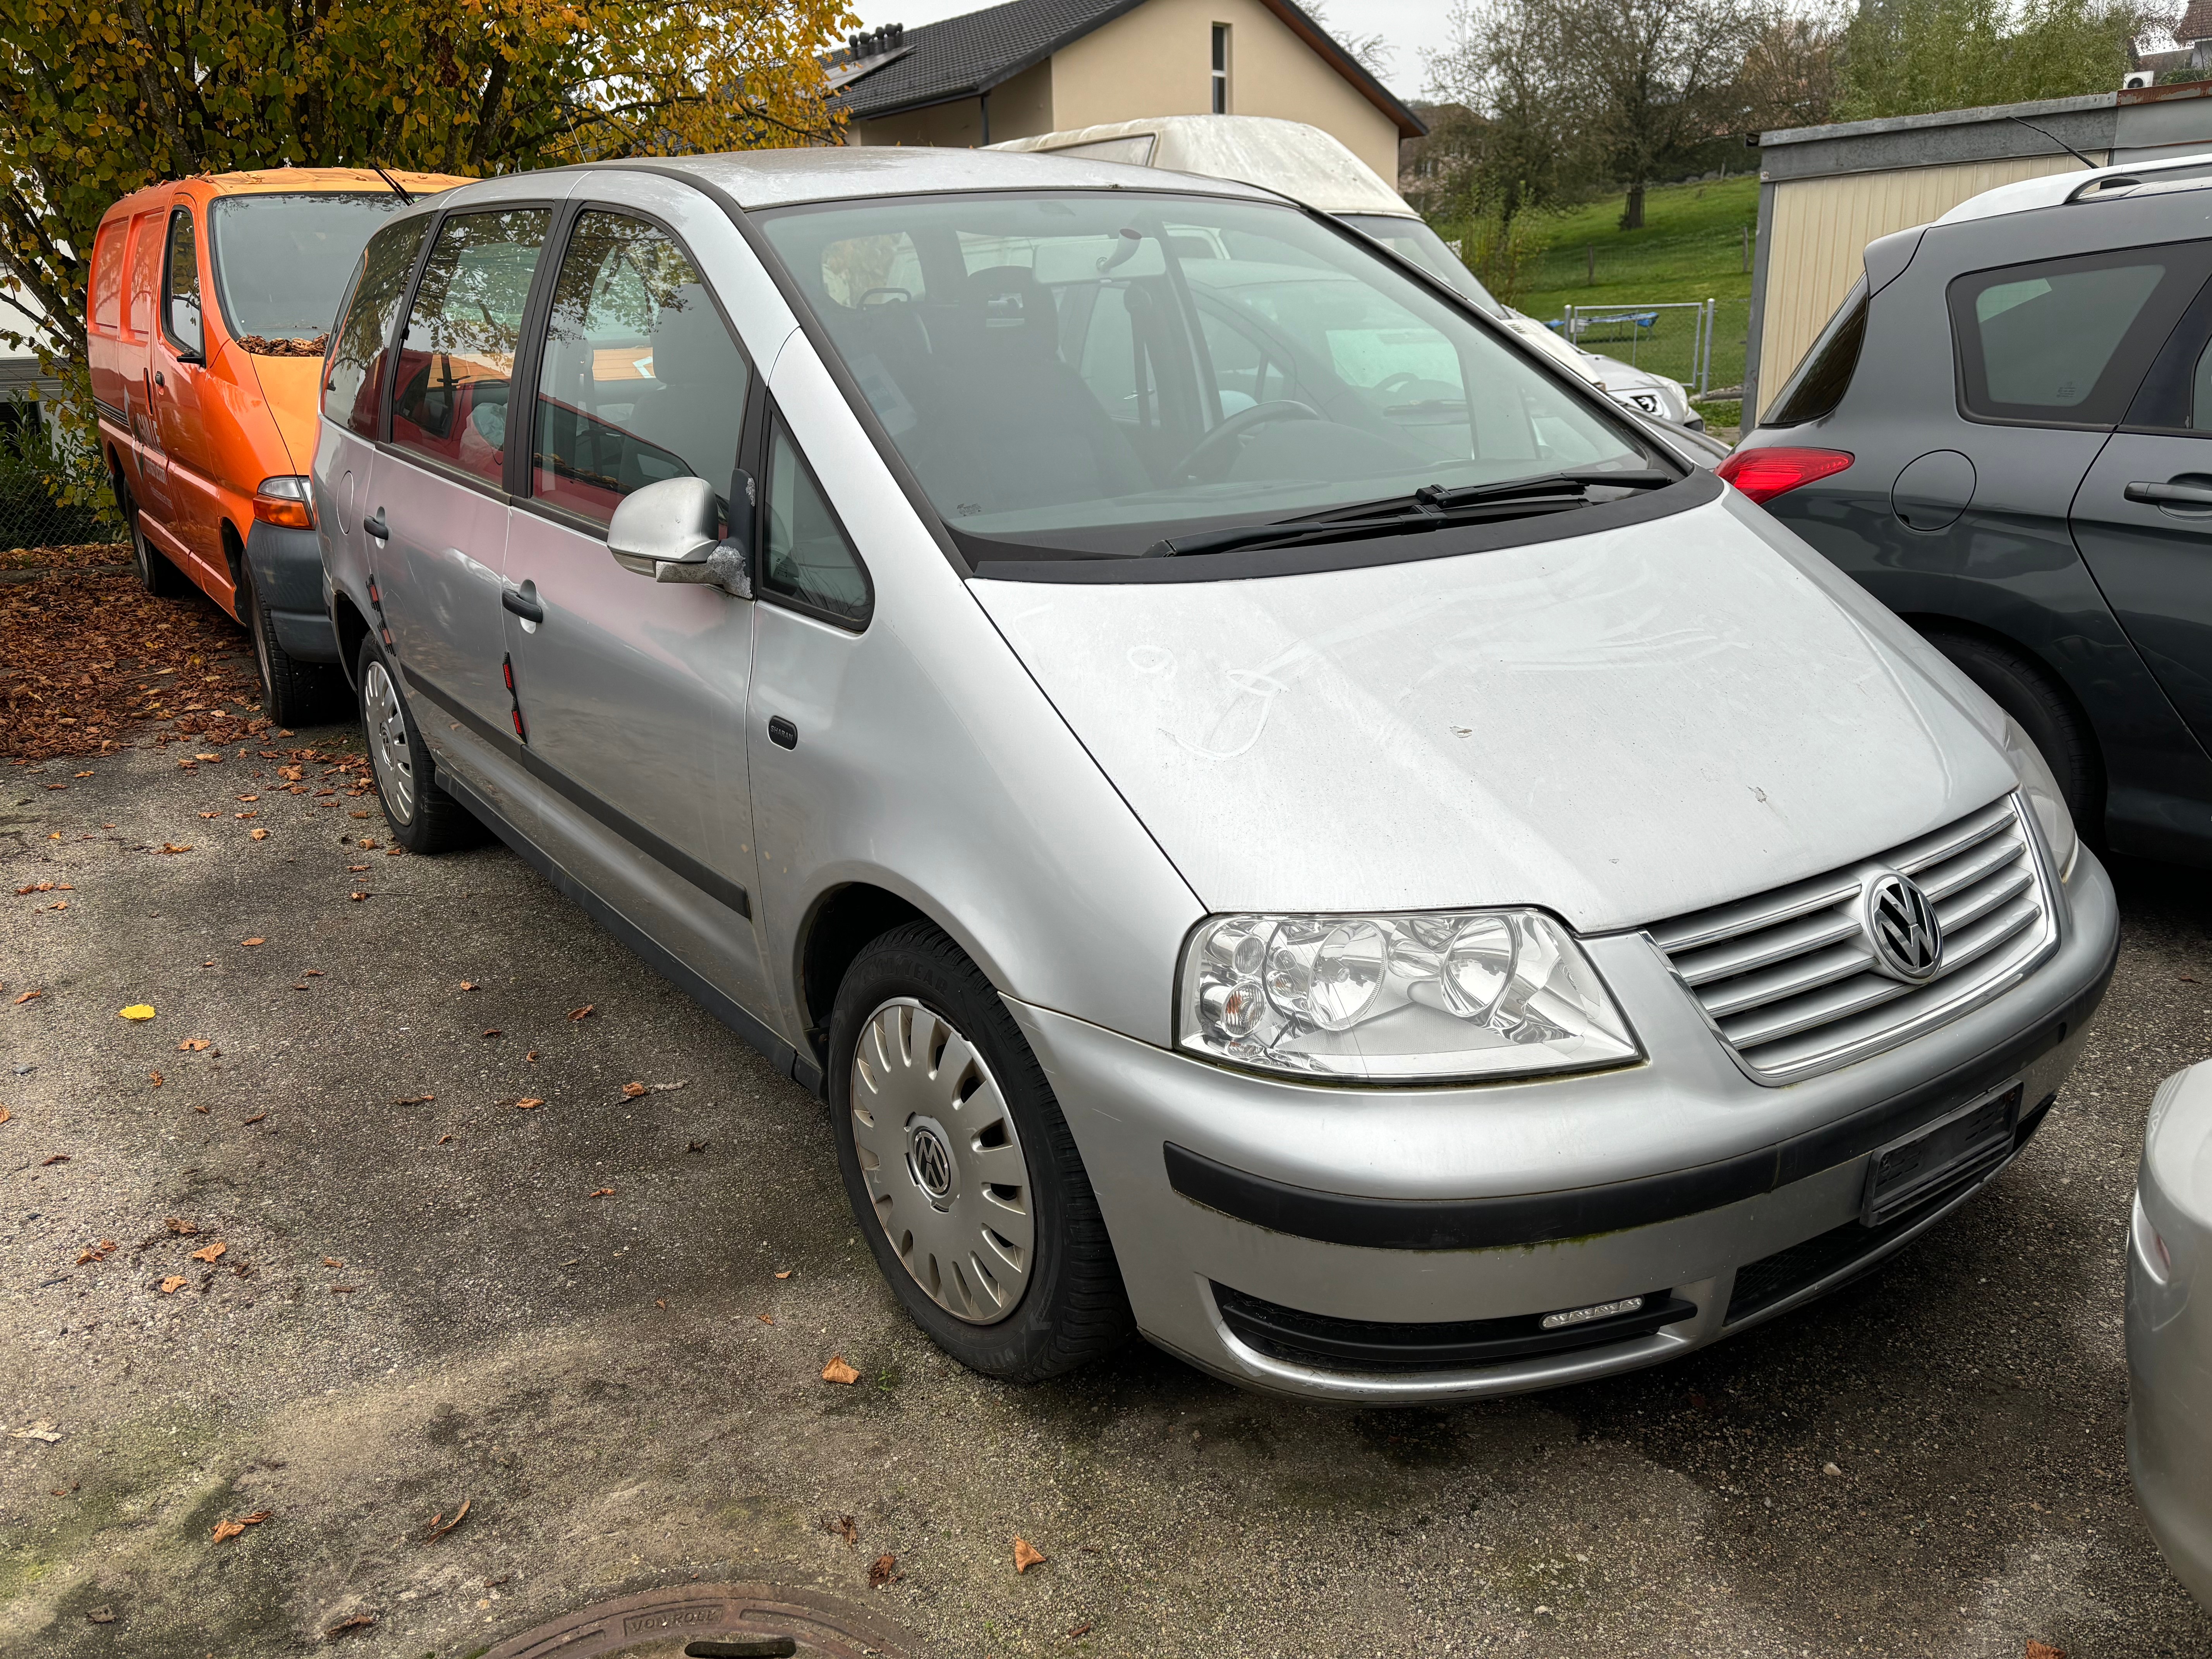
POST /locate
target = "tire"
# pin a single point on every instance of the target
(922, 1051)
(292, 693)
(423, 818)
(156, 574)
(2028, 692)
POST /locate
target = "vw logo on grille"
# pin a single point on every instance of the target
(933, 1161)
(1902, 926)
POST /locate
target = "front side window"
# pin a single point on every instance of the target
(2066, 342)
(805, 557)
(1411, 239)
(1082, 374)
(180, 286)
(641, 380)
(352, 372)
(457, 357)
(281, 260)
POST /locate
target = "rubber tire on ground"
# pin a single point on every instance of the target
(2054, 722)
(1074, 1310)
(292, 693)
(439, 824)
(156, 574)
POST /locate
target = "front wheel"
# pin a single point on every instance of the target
(961, 1169)
(156, 574)
(292, 693)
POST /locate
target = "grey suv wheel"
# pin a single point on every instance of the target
(423, 818)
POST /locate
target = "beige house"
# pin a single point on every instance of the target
(1034, 66)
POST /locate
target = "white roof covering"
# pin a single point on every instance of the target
(1298, 160)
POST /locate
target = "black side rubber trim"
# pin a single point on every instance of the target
(1476, 1224)
(787, 1059)
(716, 886)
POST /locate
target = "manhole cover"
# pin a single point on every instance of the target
(665, 1622)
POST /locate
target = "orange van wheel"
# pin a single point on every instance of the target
(156, 574)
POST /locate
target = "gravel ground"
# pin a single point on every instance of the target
(601, 1321)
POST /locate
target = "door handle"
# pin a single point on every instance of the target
(377, 528)
(522, 605)
(2170, 495)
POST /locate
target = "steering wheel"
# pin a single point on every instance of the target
(1215, 451)
(1400, 381)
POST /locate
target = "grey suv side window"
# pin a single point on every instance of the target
(2066, 342)
(641, 380)
(353, 378)
(450, 401)
(806, 559)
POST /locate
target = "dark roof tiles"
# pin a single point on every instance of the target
(964, 55)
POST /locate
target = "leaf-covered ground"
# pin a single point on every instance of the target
(90, 663)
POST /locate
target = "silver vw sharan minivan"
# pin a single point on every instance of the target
(1270, 814)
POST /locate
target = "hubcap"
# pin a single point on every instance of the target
(387, 742)
(945, 1173)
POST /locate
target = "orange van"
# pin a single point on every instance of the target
(210, 302)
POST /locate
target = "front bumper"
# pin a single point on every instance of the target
(1472, 1210)
(287, 574)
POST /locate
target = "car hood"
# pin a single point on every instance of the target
(292, 388)
(1620, 725)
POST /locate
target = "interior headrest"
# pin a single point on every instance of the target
(1008, 300)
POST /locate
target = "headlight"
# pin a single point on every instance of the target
(2045, 798)
(1403, 999)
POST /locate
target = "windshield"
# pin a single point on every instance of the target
(1085, 374)
(1411, 239)
(281, 261)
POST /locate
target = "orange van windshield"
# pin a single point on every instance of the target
(281, 261)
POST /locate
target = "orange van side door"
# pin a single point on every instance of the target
(194, 512)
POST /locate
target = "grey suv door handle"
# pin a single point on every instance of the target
(523, 606)
(2169, 494)
(377, 528)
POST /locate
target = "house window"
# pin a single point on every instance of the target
(1221, 69)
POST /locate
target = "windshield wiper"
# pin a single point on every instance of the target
(1432, 507)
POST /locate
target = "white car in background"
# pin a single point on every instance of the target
(1307, 165)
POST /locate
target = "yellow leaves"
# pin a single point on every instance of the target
(137, 1011)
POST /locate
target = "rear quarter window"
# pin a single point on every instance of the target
(107, 277)
(1820, 381)
(352, 372)
(2066, 342)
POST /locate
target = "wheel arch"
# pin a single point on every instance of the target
(233, 556)
(352, 629)
(838, 927)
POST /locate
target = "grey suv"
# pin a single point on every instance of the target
(2005, 434)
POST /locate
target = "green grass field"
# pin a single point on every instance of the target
(1691, 247)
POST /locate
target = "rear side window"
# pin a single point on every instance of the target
(806, 558)
(1826, 374)
(107, 277)
(145, 274)
(449, 400)
(353, 374)
(2066, 342)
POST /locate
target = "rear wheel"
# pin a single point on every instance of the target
(960, 1167)
(423, 818)
(2054, 722)
(292, 693)
(156, 574)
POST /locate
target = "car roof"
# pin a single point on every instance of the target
(349, 179)
(779, 178)
(2057, 189)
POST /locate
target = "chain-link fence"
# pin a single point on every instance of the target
(39, 476)
(1699, 342)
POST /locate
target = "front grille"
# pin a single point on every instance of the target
(1326, 1343)
(1787, 978)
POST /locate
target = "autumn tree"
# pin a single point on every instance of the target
(100, 97)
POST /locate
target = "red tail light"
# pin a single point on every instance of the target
(1763, 474)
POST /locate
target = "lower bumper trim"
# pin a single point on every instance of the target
(1372, 1345)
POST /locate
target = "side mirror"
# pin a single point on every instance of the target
(185, 324)
(667, 530)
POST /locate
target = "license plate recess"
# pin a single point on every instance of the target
(1955, 1148)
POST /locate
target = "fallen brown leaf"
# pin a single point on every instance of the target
(5, 1115)
(844, 1527)
(154, 1077)
(182, 1228)
(356, 897)
(256, 1118)
(172, 1284)
(102, 1615)
(340, 1290)
(838, 1371)
(332, 1262)
(440, 1526)
(416, 1100)
(359, 1621)
(883, 1572)
(98, 1252)
(192, 1045)
(767, 1319)
(259, 834)
(580, 1013)
(27, 996)
(226, 1529)
(254, 941)
(212, 1253)
(1026, 1555)
(1083, 1629)
(528, 1104)
(632, 1090)
(786, 1274)
(171, 847)
(466, 984)
(58, 1158)
(602, 1192)
(2043, 1650)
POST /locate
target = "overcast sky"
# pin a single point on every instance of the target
(1408, 25)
